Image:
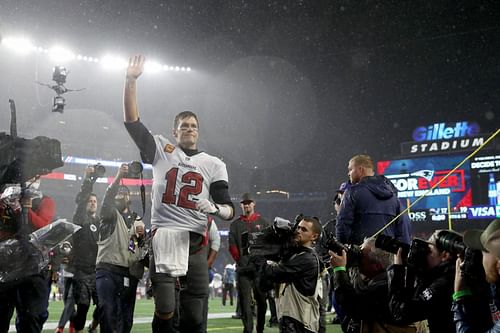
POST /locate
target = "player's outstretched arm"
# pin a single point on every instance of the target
(134, 70)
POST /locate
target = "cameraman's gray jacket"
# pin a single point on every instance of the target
(115, 250)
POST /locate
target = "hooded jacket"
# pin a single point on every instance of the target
(367, 207)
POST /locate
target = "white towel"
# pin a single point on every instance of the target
(171, 251)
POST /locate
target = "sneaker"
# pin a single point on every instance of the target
(236, 316)
(91, 330)
(59, 330)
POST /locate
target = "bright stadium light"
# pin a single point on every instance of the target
(19, 45)
(61, 54)
(152, 66)
(111, 62)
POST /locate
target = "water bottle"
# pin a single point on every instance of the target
(492, 190)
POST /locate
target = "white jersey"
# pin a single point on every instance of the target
(178, 181)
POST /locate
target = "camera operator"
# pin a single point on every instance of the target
(364, 299)
(423, 290)
(299, 275)
(85, 250)
(250, 221)
(465, 307)
(30, 295)
(121, 235)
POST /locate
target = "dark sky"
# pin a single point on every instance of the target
(286, 91)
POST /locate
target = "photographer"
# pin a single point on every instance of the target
(423, 289)
(250, 221)
(85, 250)
(28, 295)
(465, 308)
(364, 300)
(121, 235)
(299, 275)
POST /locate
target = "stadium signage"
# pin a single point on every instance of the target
(418, 183)
(444, 137)
(443, 131)
(481, 212)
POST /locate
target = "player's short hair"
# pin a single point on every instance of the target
(184, 115)
(92, 195)
(316, 225)
(362, 160)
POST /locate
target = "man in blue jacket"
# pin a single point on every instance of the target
(368, 205)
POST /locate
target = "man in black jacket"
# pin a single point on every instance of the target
(85, 251)
(423, 290)
(469, 314)
(299, 275)
(364, 299)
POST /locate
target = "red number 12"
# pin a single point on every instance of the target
(193, 184)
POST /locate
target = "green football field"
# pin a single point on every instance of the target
(144, 310)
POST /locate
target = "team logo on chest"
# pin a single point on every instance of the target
(169, 148)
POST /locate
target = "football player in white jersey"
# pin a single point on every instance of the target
(187, 185)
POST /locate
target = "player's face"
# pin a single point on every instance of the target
(92, 205)
(354, 172)
(491, 267)
(186, 133)
(304, 234)
(248, 207)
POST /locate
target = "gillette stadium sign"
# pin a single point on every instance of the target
(444, 137)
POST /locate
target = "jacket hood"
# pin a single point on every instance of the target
(380, 186)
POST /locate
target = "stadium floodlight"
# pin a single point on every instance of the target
(61, 54)
(111, 62)
(152, 67)
(19, 45)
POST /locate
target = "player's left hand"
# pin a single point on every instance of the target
(206, 206)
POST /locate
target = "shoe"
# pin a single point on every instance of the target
(59, 330)
(236, 316)
(335, 320)
(91, 330)
(272, 322)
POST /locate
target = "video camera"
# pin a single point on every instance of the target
(23, 159)
(273, 242)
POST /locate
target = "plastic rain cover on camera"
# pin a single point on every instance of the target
(24, 257)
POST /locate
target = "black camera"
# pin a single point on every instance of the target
(392, 245)
(99, 170)
(134, 169)
(415, 254)
(450, 242)
(353, 251)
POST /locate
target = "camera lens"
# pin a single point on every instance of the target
(135, 167)
(99, 170)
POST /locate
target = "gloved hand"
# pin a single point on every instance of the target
(206, 206)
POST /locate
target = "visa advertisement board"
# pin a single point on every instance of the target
(485, 182)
